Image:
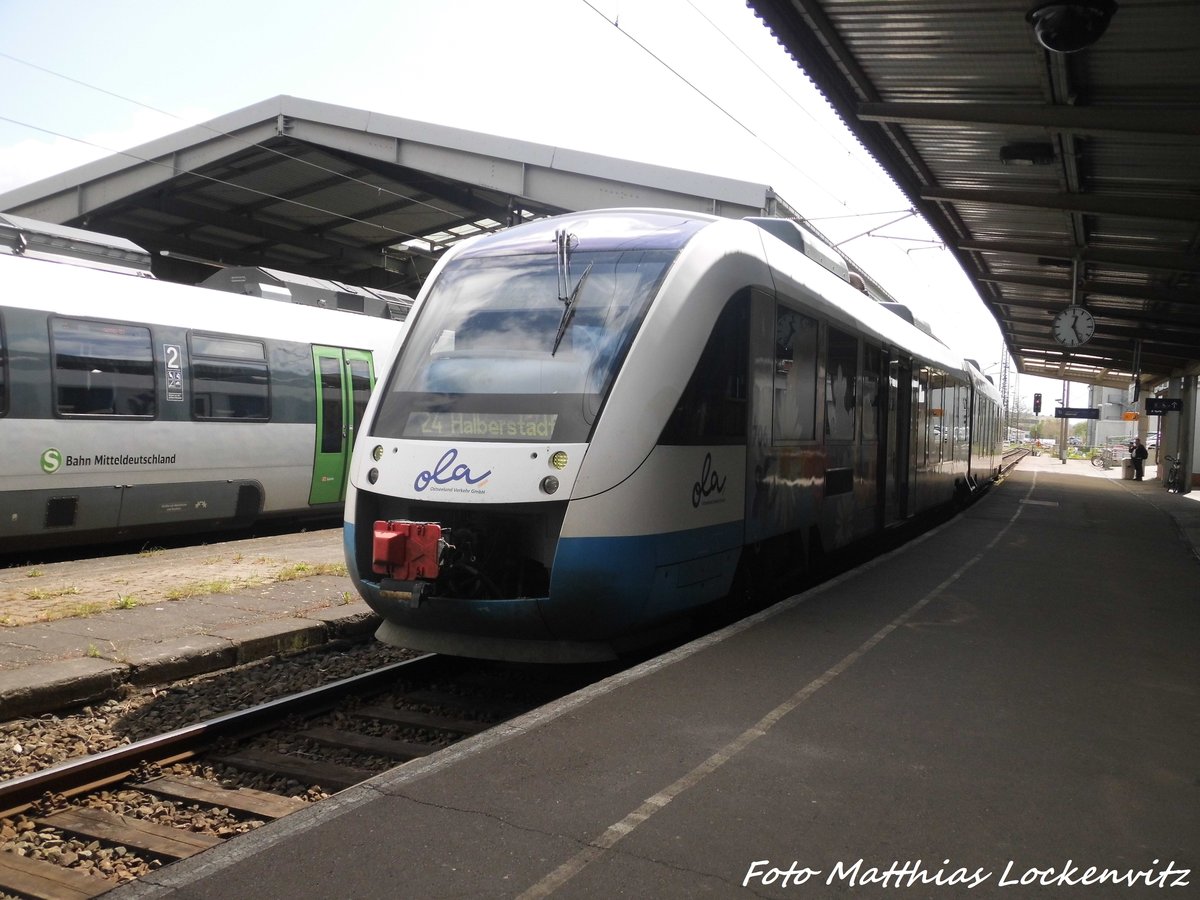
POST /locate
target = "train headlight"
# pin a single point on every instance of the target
(373, 476)
(549, 484)
(559, 460)
(377, 452)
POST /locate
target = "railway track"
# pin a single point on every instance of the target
(1011, 458)
(147, 804)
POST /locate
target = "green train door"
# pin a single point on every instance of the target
(344, 382)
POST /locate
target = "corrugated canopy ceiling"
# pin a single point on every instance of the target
(1054, 177)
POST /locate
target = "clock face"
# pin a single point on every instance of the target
(1073, 326)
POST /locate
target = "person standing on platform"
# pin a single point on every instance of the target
(1138, 452)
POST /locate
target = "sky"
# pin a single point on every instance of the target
(699, 85)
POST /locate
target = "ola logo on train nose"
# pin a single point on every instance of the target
(51, 460)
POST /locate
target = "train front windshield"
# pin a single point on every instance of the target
(501, 352)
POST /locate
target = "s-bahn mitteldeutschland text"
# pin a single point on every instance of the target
(52, 460)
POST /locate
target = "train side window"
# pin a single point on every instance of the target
(102, 369)
(921, 406)
(841, 374)
(794, 416)
(871, 408)
(230, 379)
(712, 409)
(3, 371)
(962, 428)
(360, 389)
(332, 415)
(937, 423)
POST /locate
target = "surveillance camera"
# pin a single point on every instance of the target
(1064, 27)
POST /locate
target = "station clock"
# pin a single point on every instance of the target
(1073, 326)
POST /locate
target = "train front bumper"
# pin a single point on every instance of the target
(506, 628)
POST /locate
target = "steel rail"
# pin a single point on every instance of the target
(1011, 458)
(96, 770)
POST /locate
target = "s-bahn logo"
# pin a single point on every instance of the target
(447, 473)
(708, 484)
(52, 460)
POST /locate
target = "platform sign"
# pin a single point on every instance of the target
(1156, 406)
(1076, 412)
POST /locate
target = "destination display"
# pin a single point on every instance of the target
(1077, 412)
(480, 426)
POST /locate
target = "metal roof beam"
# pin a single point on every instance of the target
(1140, 260)
(322, 245)
(1093, 204)
(477, 202)
(1095, 287)
(1085, 120)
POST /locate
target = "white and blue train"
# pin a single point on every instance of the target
(132, 406)
(598, 423)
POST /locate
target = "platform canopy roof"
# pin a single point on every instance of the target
(332, 192)
(1053, 176)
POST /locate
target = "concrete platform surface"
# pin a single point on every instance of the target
(72, 633)
(1007, 707)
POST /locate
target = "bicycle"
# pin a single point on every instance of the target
(1174, 475)
(1102, 459)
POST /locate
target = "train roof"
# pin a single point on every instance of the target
(73, 290)
(259, 281)
(827, 288)
(626, 229)
(20, 236)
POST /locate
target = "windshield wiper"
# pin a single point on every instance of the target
(565, 242)
(569, 312)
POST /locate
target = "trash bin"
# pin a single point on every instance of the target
(1127, 469)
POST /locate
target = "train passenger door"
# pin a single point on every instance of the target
(344, 379)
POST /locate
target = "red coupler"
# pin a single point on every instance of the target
(406, 551)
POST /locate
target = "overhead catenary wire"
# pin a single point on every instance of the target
(715, 104)
(385, 191)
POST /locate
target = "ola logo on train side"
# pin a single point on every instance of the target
(709, 483)
(51, 460)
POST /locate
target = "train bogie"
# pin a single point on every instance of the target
(610, 415)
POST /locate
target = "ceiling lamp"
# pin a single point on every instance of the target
(1068, 27)
(1032, 153)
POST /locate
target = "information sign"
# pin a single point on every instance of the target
(1156, 406)
(1076, 412)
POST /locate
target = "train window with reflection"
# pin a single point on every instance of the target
(360, 390)
(712, 408)
(102, 369)
(936, 422)
(872, 408)
(841, 375)
(498, 353)
(230, 379)
(3, 371)
(921, 405)
(795, 408)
